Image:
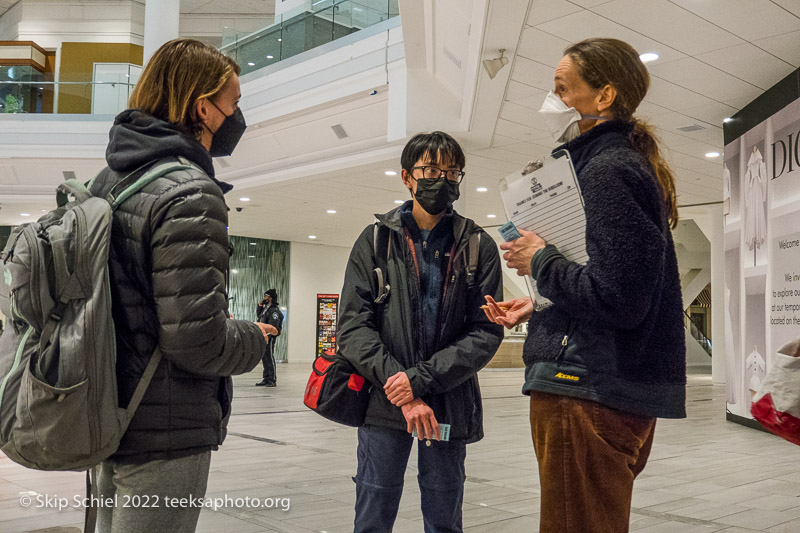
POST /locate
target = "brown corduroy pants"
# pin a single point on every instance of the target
(588, 457)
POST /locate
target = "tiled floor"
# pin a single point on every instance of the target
(704, 474)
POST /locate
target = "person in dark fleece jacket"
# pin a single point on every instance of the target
(168, 264)
(608, 356)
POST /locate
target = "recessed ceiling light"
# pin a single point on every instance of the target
(712, 154)
(648, 57)
(251, 63)
(250, 256)
(234, 271)
(244, 199)
(279, 40)
(491, 216)
(331, 211)
(270, 57)
(252, 244)
(398, 202)
(727, 119)
(312, 236)
(481, 189)
(24, 214)
(44, 210)
(390, 173)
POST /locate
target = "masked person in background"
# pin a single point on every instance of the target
(168, 264)
(609, 355)
(268, 312)
(420, 349)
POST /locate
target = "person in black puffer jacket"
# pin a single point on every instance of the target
(168, 264)
(609, 355)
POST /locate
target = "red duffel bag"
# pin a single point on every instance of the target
(336, 391)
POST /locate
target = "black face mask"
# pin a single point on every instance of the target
(228, 134)
(436, 195)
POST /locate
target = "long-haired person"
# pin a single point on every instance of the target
(168, 263)
(608, 357)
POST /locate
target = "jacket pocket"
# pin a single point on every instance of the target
(548, 336)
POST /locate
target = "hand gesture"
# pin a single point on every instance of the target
(420, 417)
(398, 389)
(508, 314)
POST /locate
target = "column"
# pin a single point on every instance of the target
(161, 19)
(718, 360)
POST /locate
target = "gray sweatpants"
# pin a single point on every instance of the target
(147, 497)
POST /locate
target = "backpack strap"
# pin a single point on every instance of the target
(381, 248)
(73, 187)
(473, 249)
(132, 183)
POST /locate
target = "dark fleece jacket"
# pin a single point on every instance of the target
(615, 332)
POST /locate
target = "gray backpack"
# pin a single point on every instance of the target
(58, 383)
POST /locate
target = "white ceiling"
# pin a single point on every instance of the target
(715, 57)
(257, 8)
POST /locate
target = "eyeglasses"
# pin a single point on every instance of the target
(434, 173)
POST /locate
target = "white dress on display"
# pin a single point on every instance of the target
(755, 192)
(732, 381)
(726, 189)
(755, 371)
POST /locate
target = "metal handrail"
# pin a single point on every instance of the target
(698, 335)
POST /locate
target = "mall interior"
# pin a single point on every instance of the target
(331, 92)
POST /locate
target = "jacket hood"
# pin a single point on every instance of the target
(393, 220)
(137, 138)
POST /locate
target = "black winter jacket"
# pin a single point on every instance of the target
(168, 261)
(382, 340)
(615, 332)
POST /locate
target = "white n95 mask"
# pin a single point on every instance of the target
(562, 121)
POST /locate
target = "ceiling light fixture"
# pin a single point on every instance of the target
(398, 202)
(493, 66)
(727, 119)
(481, 189)
(250, 256)
(24, 214)
(312, 236)
(491, 216)
(331, 211)
(251, 63)
(391, 173)
(712, 154)
(252, 244)
(244, 199)
(270, 57)
(648, 57)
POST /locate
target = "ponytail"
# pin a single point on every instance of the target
(643, 140)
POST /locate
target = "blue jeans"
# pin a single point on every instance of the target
(382, 459)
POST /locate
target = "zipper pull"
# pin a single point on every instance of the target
(436, 255)
(564, 340)
(453, 279)
(424, 245)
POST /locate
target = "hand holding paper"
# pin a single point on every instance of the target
(520, 251)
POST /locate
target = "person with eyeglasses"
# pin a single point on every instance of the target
(422, 347)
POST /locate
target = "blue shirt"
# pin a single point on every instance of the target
(433, 249)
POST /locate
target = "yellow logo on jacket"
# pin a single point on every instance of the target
(561, 375)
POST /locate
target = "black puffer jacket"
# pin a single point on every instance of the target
(169, 257)
(382, 341)
(615, 332)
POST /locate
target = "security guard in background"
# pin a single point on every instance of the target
(268, 312)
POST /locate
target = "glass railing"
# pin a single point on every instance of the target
(108, 95)
(316, 23)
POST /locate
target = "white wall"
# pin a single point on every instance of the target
(313, 269)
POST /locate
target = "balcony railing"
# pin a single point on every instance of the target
(313, 24)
